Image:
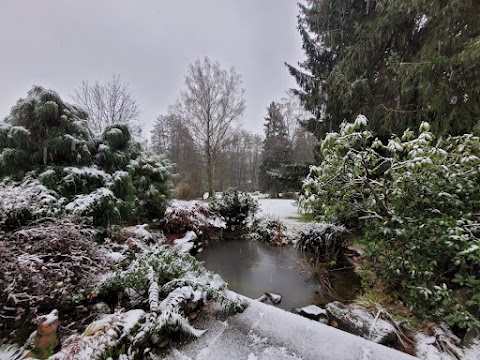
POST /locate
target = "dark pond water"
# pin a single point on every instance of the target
(252, 268)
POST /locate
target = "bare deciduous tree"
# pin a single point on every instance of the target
(211, 105)
(293, 112)
(108, 103)
(170, 136)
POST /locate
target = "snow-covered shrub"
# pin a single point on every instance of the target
(116, 149)
(79, 180)
(151, 177)
(28, 200)
(171, 270)
(100, 205)
(41, 130)
(269, 230)
(50, 140)
(183, 216)
(324, 240)
(416, 201)
(44, 267)
(117, 136)
(236, 207)
(172, 284)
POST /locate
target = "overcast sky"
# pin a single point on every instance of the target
(149, 43)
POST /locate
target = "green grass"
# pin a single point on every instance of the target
(306, 218)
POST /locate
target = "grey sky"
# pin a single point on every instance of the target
(149, 43)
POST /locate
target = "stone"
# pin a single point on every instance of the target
(358, 321)
(313, 312)
(45, 339)
(470, 337)
(274, 298)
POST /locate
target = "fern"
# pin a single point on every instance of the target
(152, 290)
(11, 352)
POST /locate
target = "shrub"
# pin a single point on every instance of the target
(26, 201)
(183, 216)
(327, 241)
(46, 266)
(288, 195)
(270, 230)
(416, 202)
(184, 191)
(41, 130)
(236, 207)
(45, 138)
(100, 205)
(151, 177)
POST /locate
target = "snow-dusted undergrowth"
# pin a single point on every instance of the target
(172, 285)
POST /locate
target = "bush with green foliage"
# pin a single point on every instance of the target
(416, 201)
(110, 179)
(269, 230)
(236, 207)
(184, 216)
(43, 130)
(26, 201)
(327, 241)
(171, 285)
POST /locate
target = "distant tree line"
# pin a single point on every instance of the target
(203, 136)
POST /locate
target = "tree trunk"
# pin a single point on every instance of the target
(210, 175)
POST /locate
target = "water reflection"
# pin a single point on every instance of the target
(252, 268)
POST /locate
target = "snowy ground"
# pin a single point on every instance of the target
(281, 208)
(263, 332)
(284, 209)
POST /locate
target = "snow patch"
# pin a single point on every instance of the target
(420, 23)
(140, 232)
(313, 310)
(186, 244)
(86, 202)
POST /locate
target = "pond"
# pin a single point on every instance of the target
(253, 268)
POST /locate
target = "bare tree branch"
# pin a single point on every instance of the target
(211, 106)
(108, 103)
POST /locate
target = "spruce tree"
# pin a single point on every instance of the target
(277, 151)
(397, 62)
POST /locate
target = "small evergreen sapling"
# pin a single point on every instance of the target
(236, 207)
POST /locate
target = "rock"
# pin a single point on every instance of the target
(470, 337)
(313, 312)
(262, 298)
(164, 343)
(274, 298)
(45, 339)
(358, 321)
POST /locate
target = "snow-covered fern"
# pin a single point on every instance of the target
(176, 279)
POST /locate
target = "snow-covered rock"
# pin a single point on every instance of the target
(312, 312)
(359, 322)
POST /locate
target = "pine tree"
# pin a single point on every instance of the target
(43, 130)
(277, 150)
(47, 141)
(397, 62)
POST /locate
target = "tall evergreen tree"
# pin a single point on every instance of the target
(277, 150)
(399, 62)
